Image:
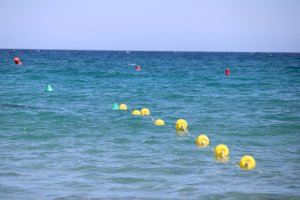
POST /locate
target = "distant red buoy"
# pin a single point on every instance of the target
(138, 68)
(227, 72)
(17, 61)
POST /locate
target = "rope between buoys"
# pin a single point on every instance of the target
(152, 118)
(212, 149)
(189, 133)
(231, 162)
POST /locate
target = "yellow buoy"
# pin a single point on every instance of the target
(221, 150)
(247, 162)
(202, 141)
(145, 111)
(123, 106)
(159, 122)
(181, 124)
(136, 112)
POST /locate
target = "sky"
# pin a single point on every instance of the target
(175, 25)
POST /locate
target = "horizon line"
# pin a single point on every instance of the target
(125, 50)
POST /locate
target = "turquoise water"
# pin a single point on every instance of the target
(70, 144)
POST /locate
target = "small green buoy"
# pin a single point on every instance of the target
(115, 106)
(49, 88)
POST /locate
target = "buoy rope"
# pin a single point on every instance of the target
(188, 133)
(152, 118)
(212, 149)
(231, 162)
(129, 109)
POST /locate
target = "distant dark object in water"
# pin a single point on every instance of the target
(17, 60)
(227, 72)
(138, 68)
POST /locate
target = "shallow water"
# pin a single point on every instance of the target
(70, 144)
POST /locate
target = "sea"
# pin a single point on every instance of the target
(71, 144)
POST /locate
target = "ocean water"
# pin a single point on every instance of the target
(70, 144)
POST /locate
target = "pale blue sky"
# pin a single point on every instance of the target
(193, 25)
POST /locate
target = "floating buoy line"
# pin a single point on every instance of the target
(221, 151)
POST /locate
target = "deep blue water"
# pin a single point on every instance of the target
(70, 144)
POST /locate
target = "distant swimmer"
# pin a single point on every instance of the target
(17, 61)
